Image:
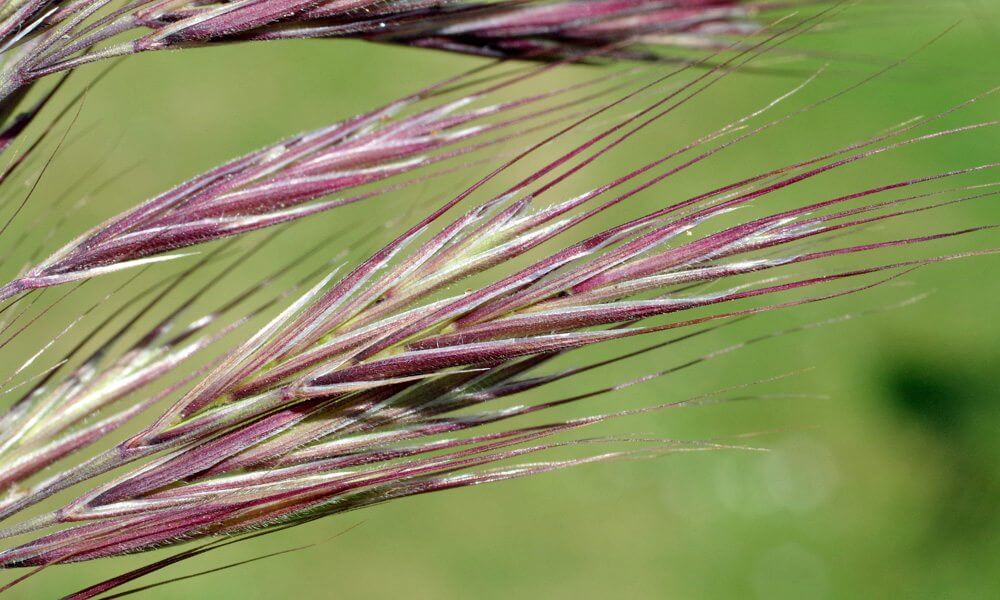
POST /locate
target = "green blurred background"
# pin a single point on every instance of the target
(888, 485)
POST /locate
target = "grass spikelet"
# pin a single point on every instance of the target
(38, 39)
(279, 183)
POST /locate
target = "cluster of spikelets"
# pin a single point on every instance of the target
(378, 382)
(45, 37)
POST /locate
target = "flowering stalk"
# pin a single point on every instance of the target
(385, 381)
(39, 37)
(337, 403)
(281, 183)
(42, 427)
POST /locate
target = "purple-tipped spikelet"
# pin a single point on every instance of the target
(39, 37)
(342, 163)
(379, 382)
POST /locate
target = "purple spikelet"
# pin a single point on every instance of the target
(40, 39)
(312, 173)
